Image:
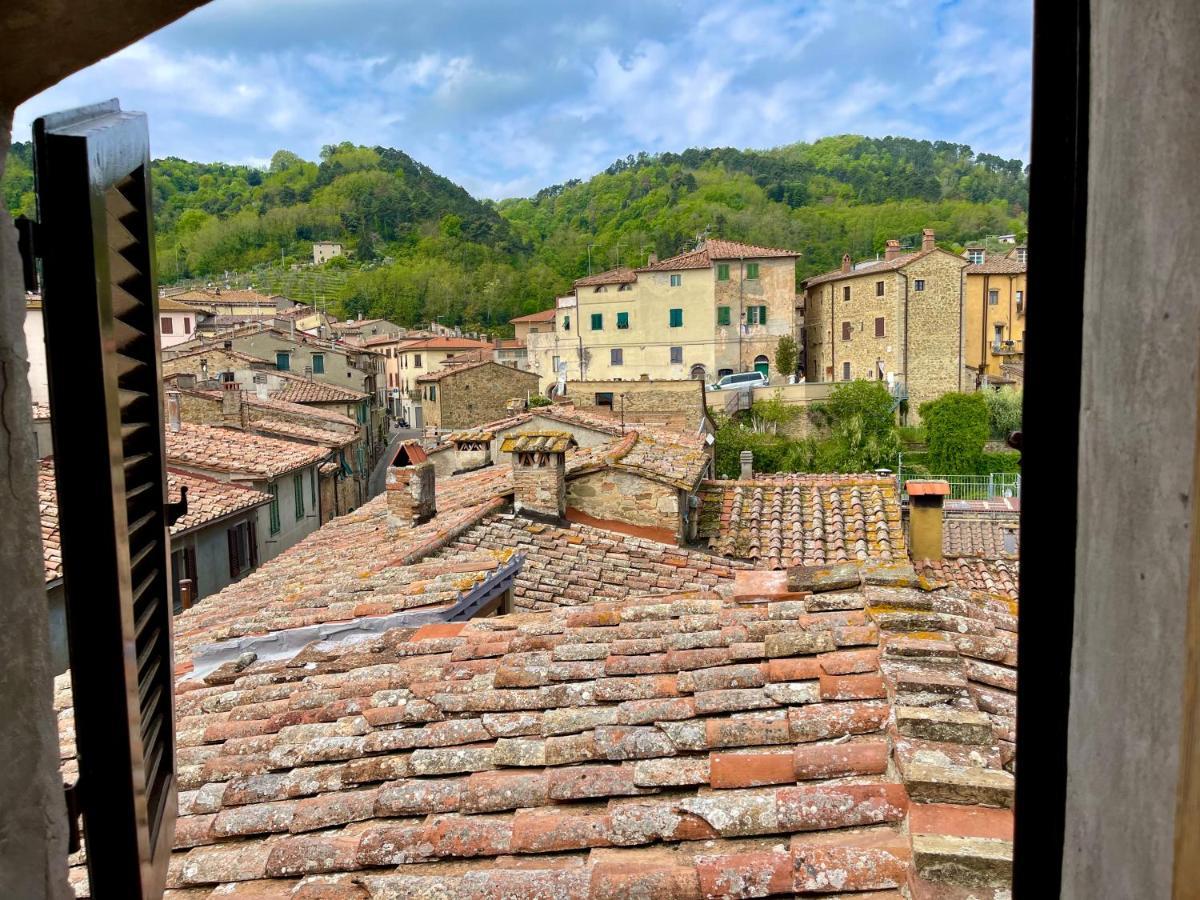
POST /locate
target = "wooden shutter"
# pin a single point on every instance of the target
(96, 242)
(252, 541)
(189, 555)
(235, 556)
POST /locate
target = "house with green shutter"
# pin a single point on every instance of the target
(716, 310)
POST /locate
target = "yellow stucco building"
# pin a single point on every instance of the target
(996, 300)
(716, 310)
(898, 319)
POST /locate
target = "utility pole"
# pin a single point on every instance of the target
(590, 258)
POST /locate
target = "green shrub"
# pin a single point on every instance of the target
(539, 400)
(1004, 412)
(862, 424)
(957, 428)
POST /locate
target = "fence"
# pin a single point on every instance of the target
(973, 487)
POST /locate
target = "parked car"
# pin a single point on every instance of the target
(740, 380)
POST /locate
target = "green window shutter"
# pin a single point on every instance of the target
(312, 483)
(722, 271)
(722, 315)
(298, 495)
(566, 323)
(751, 270)
(318, 363)
(273, 490)
(597, 321)
(283, 362)
(762, 315)
(622, 320)
(676, 318)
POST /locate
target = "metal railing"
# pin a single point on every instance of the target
(972, 487)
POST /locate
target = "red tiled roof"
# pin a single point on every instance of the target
(983, 536)
(41, 410)
(238, 452)
(446, 343)
(545, 315)
(250, 397)
(453, 367)
(997, 265)
(927, 488)
(620, 275)
(301, 390)
(209, 500)
(881, 265)
(702, 257)
(999, 577)
(224, 295)
(788, 520)
(681, 746)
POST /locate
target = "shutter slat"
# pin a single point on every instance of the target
(94, 201)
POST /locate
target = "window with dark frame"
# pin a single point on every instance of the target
(298, 494)
(751, 270)
(880, 326)
(166, 325)
(722, 271)
(676, 280)
(879, 289)
(919, 284)
(616, 356)
(722, 315)
(318, 363)
(847, 328)
(622, 320)
(845, 371)
(676, 318)
(677, 356)
(273, 490)
(846, 293)
(993, 298)
(597, 321)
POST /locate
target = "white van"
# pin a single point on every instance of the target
(740, 380)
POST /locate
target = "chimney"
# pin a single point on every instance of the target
(927, 240)
(204, 370)
(926, 500)
(410, 486)
(892, 249)
(652, 258)
(472, 450)
(846, 264)
(233, 413)
(539, 473)
(260, 387)
(185, 381)
(746, 457)
(173, 413)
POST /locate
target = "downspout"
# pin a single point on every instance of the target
(984, 362)
(743, 322)
(832, 336)
(579, 330)
(904, 275)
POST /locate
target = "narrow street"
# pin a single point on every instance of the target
(376, 482)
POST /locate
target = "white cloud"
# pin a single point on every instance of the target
(507, 98)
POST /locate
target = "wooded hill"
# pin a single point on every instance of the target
(422, 247)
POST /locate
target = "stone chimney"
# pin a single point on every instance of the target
(926, 501)
(927, 240)
(174, 417)
(233, 411)
(410, 486)
(472, 450)
(892, 250)
(652, 258)
(746, 458)
(847, 265)
(539, 472)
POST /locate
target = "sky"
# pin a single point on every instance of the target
(506, 98)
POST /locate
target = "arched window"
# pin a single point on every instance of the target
(698, 373)
(762, 364)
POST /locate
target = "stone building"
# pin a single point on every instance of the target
(473, 394)
(716, 310)
(898, 319)
(323, 251)
(994, 321)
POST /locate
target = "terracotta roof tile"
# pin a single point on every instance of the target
(997, 265)
(545, 315)
(983, 536)
(512, 755)
(622, 275)
(446, 343)
(538, 442)
(804, 519)
(873, 266)
(209, 500)
(303, 391)
(991, 576)
(238, 452)
(41, 410)
(703, 257)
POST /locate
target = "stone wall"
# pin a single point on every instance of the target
(410, 494)
(614, 495)
(478, 395)
(540, 489)
(935, 330)
(643, 396)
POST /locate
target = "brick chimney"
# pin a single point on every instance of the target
(892, 250)
(926, 501)
(539, 472)
(410, 486)
(927, 240)
(847, 265)
(233, 411)
(472, 450)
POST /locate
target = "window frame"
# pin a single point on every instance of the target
(752, 271)
(847, 329)
(676, 356)
(722, 271)
(298, 495)
(846, 371)
(597, 321)
(676, 280)
(284, 357)
(918, 284)
(879, 288)
(622, 321)
(616, 356)
(318, 363)
(880, 326)
(723, 316)
(274, 522)
(675, 317)
(845, 293)
(166, 325)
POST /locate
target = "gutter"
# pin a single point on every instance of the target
(907, 387)
(984, 363)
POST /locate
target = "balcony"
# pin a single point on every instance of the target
(1007, 348)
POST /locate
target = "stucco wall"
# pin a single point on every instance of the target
(624, 497)
(980, 318)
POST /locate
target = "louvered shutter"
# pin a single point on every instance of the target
(100, 304)
(252, 540)
(235, 567)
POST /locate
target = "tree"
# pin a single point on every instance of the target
(787, 355)
(862, 425)
(956, 426)
(1004, 412)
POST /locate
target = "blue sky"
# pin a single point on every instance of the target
(508, 97)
